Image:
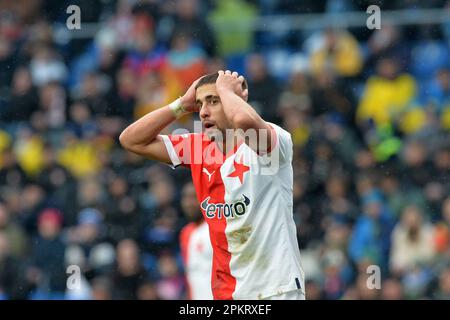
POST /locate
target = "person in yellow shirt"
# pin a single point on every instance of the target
(386, 94)
(340, 51)
(78, 156)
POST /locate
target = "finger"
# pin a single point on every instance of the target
(241, 79)
(196, 81)
(245, 93)
(228, 72)
(235, 74)
(220, 72)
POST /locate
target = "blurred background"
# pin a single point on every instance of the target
(368, 110)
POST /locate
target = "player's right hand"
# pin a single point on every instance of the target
(188, 99)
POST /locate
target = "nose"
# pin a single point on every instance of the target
(204, 112)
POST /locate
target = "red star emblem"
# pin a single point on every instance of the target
(239, 170)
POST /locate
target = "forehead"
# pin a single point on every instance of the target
(205, 91)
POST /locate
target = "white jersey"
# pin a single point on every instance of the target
(197, 257)
(246, 200)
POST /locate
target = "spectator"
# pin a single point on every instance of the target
(46, 66)
(337, 205)
(93, 91)
(47, 260)
(314, 290)
(171, 283)
(6, 61)
(386, 94)
(88, 238)
(297, 92)
(428, 54)
(79, 156)
(188, 17)
(232, 13)
(391, 289)
(29, 151)
(442, 229)
(263, 87)
(295, 116)
(81, 123)
(148, 291)
(13, 231)
(11, 173)
(361, 290)
(153, 91)
(13, 284)
(128, 272)
(443, 290)
(101, 288)
(370, 239)
(186, 61)
(387, 41)
(332, 96)
(24, 99)
(52, 105)
(415, 163)
(398, 198)
(333, 266)
(26, 205)
(436, 95)
(147, 56)
(412, 242)
(123, 216)
(338, 50)
(126, 93)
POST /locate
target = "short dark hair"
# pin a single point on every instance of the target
(212, 78)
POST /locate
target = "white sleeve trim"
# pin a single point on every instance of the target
(171, 151)
(283, 143)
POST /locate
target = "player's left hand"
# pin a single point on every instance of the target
(231, 81)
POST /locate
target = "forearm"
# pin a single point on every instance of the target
(145, 130)
(240, 114)
(238, 111)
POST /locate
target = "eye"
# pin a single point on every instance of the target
(214, 101)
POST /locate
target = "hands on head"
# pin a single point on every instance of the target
(227, 81)
(232, 81)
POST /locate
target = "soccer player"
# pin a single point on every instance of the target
(241, 167)
(196, 247)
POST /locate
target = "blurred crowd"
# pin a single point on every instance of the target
(368, 110)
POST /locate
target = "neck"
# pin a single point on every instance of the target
(226, 145)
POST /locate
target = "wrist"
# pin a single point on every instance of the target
(177, 108)
(223, 90)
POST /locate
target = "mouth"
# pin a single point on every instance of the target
(208, 125)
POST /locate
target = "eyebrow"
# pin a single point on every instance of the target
(208, 97)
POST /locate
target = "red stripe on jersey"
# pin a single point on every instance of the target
(209, 155)
(222, 282)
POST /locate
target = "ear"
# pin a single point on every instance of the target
(245, 95)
